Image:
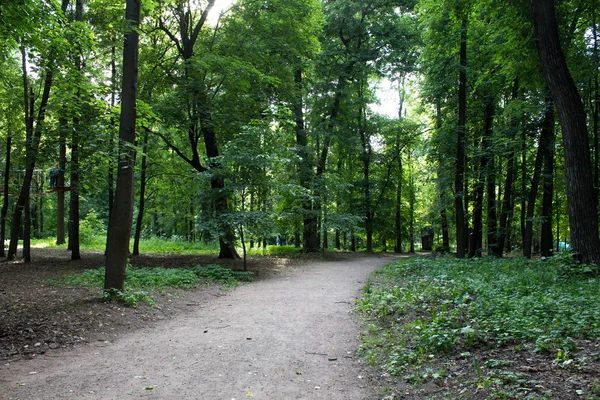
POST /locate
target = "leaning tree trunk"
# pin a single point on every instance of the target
(117, 247)
(33, 137)
(583, 218)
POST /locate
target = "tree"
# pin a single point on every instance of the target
(119, 234)
(34, 130)
(583, 219)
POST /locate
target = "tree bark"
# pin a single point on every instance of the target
(546, 136)
(583, 218)
(476, 234)
(546, 242)
(304, 167)
(75, 147)
(398, 216)
(119, 233)
(6, 187)
(60, 183)
(507, 200)
(492, 215)
(142, 202)
(459, 193)
(33, 138)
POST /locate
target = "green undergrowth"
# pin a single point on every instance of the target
(274, 251)
(421, 310)
(139, 280)
(96, 242)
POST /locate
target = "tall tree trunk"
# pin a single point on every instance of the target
(583, 218)
(217, 184)
(33, 138)
(459, 194)
(490, 171)
(544, 142)
(546, 242)
(441, 188)
(398, 216)
(596, 108)
(111, 140)
(366, 161)
(5, 186)
(142, 203)
(119, 233)
(524, 168)
(411, 205)
(77, 126)
(304, 166)
(74, 198)
(60, 183)
(476, 241)
(507, 201)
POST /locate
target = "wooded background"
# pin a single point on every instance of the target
(261, 122)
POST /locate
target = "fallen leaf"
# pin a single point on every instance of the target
(250, 394)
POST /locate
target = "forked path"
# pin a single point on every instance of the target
(289, 337)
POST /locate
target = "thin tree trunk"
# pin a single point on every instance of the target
(476, 241)
(75, 147)
(583, 218)
(398, 216)
(6, 187)
(442, 190)
(119, 234)
(33, 137)
(304, 167)
(411, 207)
(111, 140)
(142, 202)
(524, 168)
(459, 194)
(60, 183)
(507, 201)
(545, 137)
(546, 242)
(492, 216)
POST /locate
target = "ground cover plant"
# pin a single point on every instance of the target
(484, 328)
(140, 279)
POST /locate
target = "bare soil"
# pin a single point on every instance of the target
(289, 335)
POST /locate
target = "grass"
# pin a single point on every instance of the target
(138, 280)
(421, 310)
(152, 245)
(168, 246)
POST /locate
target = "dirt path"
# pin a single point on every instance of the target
(290, 337)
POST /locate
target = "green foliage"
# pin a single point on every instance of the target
(156, 279)
(90, 227)
(422, 308)
(128, 297)
(275, 250)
